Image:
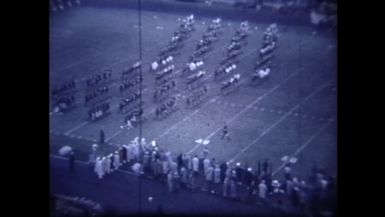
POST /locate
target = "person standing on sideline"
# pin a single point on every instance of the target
(262, 189)
(72, 162)
(116, 160)
(195, 165)
(223, 168)
(209, 173)
(108, 164)
(170, 181)
(217, 177)
(99, 168)
(226, 185)
(225, 133)
(102, 136)
(93, 153)
(233, 189)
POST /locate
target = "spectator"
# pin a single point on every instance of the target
(186, 161)
(183, 177)
(205, 152)
(265, 166)
(226, 185)
(217, 177)
(173, 166)
(105, 165)
(93, 153)
(165, 168)
(223, 169)
(289, 187)
(99, 168)
(72, 162)
(116, 161)
(176, 181)
(158, 169)
(209, 175)
(262, 189)
(287, 171)
(295, 197)
(108, 164)
(233, 189)
(195, 165)
(206, 164)
(101, 133)
(180, 161)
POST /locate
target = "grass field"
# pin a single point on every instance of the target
(291, 113)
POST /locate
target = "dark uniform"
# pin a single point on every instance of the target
(72, 162)
(225, 132)
(102, 136)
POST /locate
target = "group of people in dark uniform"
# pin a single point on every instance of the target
(130, 102)
(266, 53)
(165, 108)
(127, 103)
(228, 64)
(163, 90)
(237, 42)
(195, 76)
(99, 79)
(63, 97)
(130, 84)
(96, 94)
(164, 69)
(99, 111)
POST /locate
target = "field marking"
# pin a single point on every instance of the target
(76, 127)
(115, 134)
(278, 122)
(303, 146)
(250, 105)
(79, 62)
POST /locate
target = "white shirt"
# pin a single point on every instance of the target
(195, 164)
(262, 190)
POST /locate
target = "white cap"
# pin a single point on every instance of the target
(238, 164)
(249, 169)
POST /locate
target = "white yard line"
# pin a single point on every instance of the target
(302, 147)
(278, 122)
(76, 127)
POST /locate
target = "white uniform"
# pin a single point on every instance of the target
(135, 151)
(206, 164)
(217, 175)
(183, 175)
(209, 173)
(170, 182)
(105, 165)
(108, 164)
(99, 168)
(116, 161)
(262, 190)
(195, 164)
(165, 167)
(173, 166)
